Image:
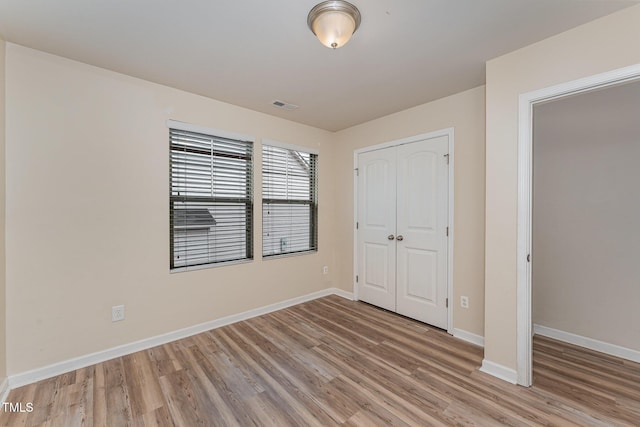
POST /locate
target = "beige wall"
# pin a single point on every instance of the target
(602, 45)
(88, 213)
(465, 113)
(585, 211)
(87, 208)
(3, 305)
(87, 198)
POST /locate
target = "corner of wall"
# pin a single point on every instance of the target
(599, 46)
(3, 340)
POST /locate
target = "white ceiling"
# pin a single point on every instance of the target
(252, 52)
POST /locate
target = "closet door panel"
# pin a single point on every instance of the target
(376, 224)
(422, 215)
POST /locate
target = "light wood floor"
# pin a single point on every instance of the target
(332, 362)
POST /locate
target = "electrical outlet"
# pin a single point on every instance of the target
(325, 269)
(464, 302)
(117, 313)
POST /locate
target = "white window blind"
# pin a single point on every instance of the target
(211, 201)
(289, 201)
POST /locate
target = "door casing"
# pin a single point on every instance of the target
(449, 132)
(525, 191)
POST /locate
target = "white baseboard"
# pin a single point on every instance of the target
(590, 343)
(499, 371)
(342, 293)
(468, 337)
(59, 368)
(4, 390)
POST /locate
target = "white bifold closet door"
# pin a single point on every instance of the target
(402, 229)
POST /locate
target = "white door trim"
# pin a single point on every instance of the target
(449, 132)
(525, 182)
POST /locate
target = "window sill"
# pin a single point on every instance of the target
(292, 254)
(206, 266)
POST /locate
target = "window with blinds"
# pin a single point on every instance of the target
(289, 201)
(211, 201)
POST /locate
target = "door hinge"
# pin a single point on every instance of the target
(357, 225)
(446, 156)
(357, 171)
(528, 257)
(356, 279)
(447, 231)
(446, 302)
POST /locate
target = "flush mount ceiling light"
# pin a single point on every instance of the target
(334, 22)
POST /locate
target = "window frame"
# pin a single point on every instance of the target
(250, 205)
(312, 202)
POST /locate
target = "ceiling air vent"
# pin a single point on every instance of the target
(284, 105)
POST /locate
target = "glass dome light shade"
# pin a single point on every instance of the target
(333, 29)
(334, 22)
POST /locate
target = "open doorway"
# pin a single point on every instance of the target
(585, 212)
(569, 92)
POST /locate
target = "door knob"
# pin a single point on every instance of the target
(390, 237)
(400, 238)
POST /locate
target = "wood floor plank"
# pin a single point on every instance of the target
(301, 403)
(99, 396)
(186, 401)
(301, 377)
(286, 337)
(117, 394)
(606, 379)
(160, 417)
(330, 362)
(367, 374)
(143, 386)
(163, 360)
(264, 374)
